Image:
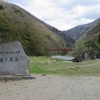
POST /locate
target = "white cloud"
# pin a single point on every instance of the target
(62, 2)
(62, 14)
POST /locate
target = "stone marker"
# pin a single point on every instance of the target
(13, 60)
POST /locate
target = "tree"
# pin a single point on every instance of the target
(79, 47)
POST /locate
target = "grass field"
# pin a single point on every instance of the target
(47, 65)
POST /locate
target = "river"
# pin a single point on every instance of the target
(65, 58)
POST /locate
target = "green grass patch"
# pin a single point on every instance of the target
(47, 65)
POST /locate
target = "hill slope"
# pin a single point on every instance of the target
(93, 32)
(36, 37)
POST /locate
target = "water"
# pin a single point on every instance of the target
(65, 58)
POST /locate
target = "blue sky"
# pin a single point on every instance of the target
(62, 14)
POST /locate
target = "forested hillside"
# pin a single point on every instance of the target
(17, 24)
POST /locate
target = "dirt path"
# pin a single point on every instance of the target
(51, 88)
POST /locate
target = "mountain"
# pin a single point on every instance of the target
(76, 32)
(69, 41)
(85, 31)
(36, 37)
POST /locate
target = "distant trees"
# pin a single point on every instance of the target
(91, 47)
(1, 7)
(95, 47)
(99, 39)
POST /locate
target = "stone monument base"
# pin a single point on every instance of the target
(15, 77)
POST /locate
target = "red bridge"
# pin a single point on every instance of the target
(63, 49)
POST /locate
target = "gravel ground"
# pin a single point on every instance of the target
(51, 88)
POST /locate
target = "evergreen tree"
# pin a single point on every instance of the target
(1, 7)
(99, 39)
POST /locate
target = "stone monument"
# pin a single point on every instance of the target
(13, 60)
